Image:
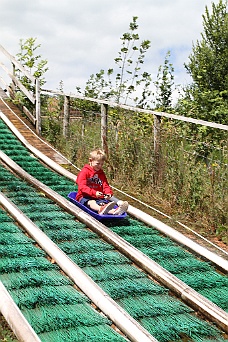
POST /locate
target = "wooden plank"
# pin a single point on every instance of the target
(17, 64)
(23, 89)
(19, 84)
(25, 127)
(29, 115)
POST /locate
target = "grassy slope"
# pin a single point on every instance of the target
(6, 333)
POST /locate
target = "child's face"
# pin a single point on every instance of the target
(96, 164)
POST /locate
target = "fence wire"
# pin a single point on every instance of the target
(187, 165)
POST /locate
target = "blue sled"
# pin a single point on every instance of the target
(72, 197)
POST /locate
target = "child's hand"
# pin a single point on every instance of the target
(99, 194)
(107, 196)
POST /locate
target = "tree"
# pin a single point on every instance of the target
(208, 62)
(208, 66)
(122, 85)
(129, 76)
(164, 85)
(32, 62)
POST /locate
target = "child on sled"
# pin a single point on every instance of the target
(93, 188)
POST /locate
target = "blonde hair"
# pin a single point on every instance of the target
(98, 155)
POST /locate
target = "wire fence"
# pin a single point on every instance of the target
(187, 165)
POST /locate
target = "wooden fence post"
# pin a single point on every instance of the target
(66, 118)
(13, 85)
(104, 127)
(157, 146)
(38, 114)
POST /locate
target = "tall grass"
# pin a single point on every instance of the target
(192, 181)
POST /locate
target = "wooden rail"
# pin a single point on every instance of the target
(140, 110)
(16, 83)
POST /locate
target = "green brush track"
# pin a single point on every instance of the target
(54, 308)
(198, 274)
(40, 300)
(144, 299)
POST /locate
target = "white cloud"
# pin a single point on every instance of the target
(79, 38)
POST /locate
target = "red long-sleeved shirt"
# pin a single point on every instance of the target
(90, 181)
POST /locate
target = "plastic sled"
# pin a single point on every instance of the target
(72, 197)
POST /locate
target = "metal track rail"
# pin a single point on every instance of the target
(186, 293)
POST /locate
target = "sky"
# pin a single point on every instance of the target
(79, 38)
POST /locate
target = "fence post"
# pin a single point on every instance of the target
(66, 118)
(157, 145)
(13, 85)
(38, 114)
(104, 127)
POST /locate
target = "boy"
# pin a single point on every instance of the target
(93, 188)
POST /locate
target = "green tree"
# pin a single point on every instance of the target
(209, 59)
(164, 85)
(97, 86)
(130, 58)
(121, 85)
(208, 67)
(35, 65)
(207, 97)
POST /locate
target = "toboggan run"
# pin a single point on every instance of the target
(67, 277)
